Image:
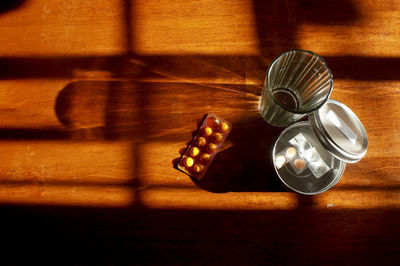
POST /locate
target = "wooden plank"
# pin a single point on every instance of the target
(98, 98)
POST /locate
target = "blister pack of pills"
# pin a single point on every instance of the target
(301, 156)
(205, 145)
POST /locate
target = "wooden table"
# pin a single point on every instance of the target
(98, 97)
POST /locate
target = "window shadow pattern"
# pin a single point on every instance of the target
(140, 235)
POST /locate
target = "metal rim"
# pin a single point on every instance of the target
(329, 186)
(330, 145)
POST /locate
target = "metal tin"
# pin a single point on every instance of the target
(340, 131)
(306, 183)
(337, 135)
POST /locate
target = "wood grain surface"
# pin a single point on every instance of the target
(98, 98)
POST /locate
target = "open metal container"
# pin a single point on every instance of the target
(334, 134)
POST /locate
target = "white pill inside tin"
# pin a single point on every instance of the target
(280, 161)
(291, 152)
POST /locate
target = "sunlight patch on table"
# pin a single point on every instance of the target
(67, 195)
(194, 27)
(57, 27)
(178, 198)
(360, 199)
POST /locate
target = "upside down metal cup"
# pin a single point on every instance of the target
(297, 83)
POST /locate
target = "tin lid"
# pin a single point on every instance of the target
(340, 131)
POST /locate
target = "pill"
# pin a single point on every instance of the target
(189, 162)
(208, 140)
(194, 151)
(213, 121)
(299, 163)
(291, 152)
(208, 131)
(205, 157)
(198, 168)
(224, 127)
(280, 161)
(218, 137)
(212, 147)
(201, 141)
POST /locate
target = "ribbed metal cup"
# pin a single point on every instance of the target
(297, 83)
